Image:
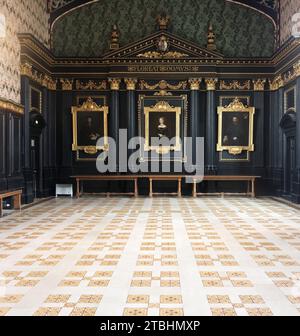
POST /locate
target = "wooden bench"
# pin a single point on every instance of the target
(16, 194)
(195, 180)
(249, 179)
(81, 178)
(152, 178)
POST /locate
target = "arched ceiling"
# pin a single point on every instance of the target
(58, 8)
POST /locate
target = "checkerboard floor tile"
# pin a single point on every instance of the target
(161, 256)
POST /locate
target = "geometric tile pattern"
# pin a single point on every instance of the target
(140, 256)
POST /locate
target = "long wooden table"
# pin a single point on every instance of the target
(250, 186)
(194, 180)
(81, 178)
(16, 194)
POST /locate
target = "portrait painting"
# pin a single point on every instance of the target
(90, 128)
(162, 124)
(235, 129)
(235, 126)
(89, 125)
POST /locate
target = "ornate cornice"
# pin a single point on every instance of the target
(259, 84)
(276, 83)
(11, 106)
(114, 83)
(292, 74)
(195, 83)
(211, 84)
(235, 85)
(163, 85)
(91, 85)
(130, 83)
(66, 84)
(26, 69)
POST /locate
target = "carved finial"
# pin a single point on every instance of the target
(114, 40)
(163, 21)
(211, 38)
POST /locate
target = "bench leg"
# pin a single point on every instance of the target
(150, 188)
(179, 188)
(136, 191)
(253, 189)
(77, 188)
(194, 189)
(17, 202)
(1, 209)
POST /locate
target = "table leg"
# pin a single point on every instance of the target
(179, 188)
(253, 188)
(136, 191)
(1, 209)
(150, 187)
(17, 202)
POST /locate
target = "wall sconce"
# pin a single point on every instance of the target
(2, 26)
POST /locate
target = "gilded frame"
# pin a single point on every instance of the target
(162, 106)
(89, 106)
(235, 106)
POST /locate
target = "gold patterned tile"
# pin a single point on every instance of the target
(135, 312)
(171, 299)
(213, 299)
(171, 312)
(259, 312)
(83, 312)
(47, 311)
(223, 312)
(138, 299)
(90, 299)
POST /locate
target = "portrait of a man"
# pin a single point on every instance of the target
(89, 125)
(90, 128)
(235, 129)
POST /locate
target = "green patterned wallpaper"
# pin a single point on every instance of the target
(241, 32)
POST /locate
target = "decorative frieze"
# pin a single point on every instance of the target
(91, 85)
(235, 85)
(66, 84)
(292, 74)
(211, 84)
(114, 83)
(276, 83)
(259, 84)
(26, 69)
(195, 83)
(130, 83)
(163, 85)
(11, 106)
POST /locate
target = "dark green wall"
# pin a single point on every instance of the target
(241, 32)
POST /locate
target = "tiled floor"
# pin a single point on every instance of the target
(161, 256)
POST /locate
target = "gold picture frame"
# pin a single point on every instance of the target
(90, 107)
(162, 107)
(236, 107)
